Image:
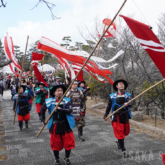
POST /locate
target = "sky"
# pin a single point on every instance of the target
(19, 21)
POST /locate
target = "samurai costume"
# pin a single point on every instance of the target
(60, 125)
(83, 103)
(76, 98)
(40, 97)
(23, 107)
(120, 120)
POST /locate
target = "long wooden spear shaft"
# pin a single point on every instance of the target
(81, 68)
(43, 63)
(15, 110)
(98, 51)
(67, 74)
(135, 98)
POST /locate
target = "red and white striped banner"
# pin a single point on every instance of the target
(60, 52)
(9, 51)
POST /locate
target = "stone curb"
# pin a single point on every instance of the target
(134, 123)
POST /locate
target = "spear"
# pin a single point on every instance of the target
(43, 64)
(135, 98)
(65, 81)
(15, 110)
(81, 68)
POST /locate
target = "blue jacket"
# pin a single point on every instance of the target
(112, 103)
(25, 98)
(29, 91)
(50, 103)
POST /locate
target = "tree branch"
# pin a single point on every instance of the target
(2, 4)
(50, 7)
(5, 63)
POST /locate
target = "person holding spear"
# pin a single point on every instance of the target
(23, 106)
(120, 120)
(61, 123)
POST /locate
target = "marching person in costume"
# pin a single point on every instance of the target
(56, 81)
(82, 87)
(41, 91)
(120, 120)
(76, 96)
(60, 124)
(31, 94)
(23, 106)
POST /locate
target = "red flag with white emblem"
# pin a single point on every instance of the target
(148, 41)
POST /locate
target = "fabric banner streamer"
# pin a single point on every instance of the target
(76, 70)
(50, 46)
(60, 52)
(113, 66)
(148, 41)
(36, 57)
(9, 51)
(78, 66)
(112, 30)
(11, 65)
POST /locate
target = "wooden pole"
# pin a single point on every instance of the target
(67, 74)
(42, 63)
(98, 51)
(15, 110)
(135, 98)
(81, 69)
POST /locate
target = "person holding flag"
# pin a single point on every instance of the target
(120, 120)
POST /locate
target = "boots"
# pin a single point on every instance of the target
(80, 134)
(26, 122)
(121, 144)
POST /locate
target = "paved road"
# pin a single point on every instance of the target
(23, 148)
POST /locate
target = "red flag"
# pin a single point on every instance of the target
(149, 42)
(112, 30)
(36, 57)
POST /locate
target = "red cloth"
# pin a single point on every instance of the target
(38, 107)
(58, 142)
(30, 101)
(120, 130)
(24, 118)
(163, 158)
(38, 74)
(83, 113)
(149, 42)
